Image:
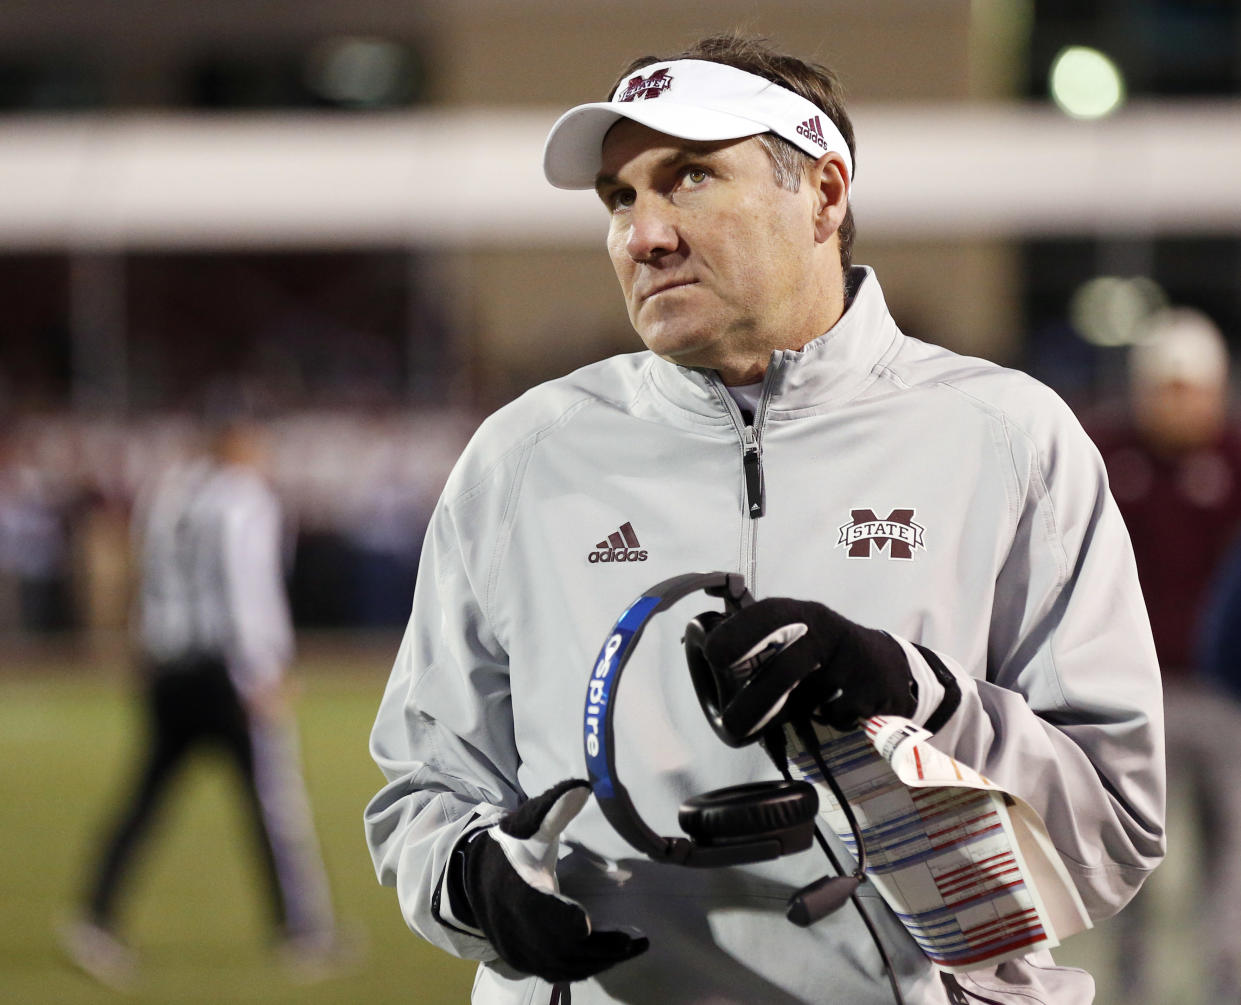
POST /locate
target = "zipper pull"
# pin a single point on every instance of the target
(752, 460)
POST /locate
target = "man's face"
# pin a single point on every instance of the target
(714, 258)
(1178, 416)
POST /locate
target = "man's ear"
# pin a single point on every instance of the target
(830, 181)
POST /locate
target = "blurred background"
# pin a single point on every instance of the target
(336, 212)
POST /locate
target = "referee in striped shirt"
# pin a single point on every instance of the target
(216, 636)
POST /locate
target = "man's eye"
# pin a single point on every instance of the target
(620, 199)
(696, 175)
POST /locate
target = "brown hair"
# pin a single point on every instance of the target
(812, 81)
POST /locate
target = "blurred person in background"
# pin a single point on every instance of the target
(1175, 471)
(778, 406)
(35, 520)
(215, 640)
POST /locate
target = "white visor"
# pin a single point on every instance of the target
(692, 99)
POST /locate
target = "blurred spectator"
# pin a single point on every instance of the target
(215, 638)
(357, 488)
(1175, 471)
(34, 533)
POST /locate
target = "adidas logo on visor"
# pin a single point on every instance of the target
(619, 546)
(812, 129)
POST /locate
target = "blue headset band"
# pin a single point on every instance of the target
(621, 641)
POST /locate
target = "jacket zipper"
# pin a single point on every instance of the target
(750, 435)
(752, 462)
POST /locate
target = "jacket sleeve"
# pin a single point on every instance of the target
(443, 736)
(1069, 716)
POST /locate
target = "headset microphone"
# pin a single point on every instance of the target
(820, 898)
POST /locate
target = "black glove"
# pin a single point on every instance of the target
(509, 880)
(779, 660)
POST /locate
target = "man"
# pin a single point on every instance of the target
(216, 637)
(778, 413)
(1175, 470)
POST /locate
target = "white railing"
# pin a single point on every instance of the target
(474, 178)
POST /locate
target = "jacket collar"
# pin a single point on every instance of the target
(826, 372)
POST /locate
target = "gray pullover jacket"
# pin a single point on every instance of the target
(1017, 571)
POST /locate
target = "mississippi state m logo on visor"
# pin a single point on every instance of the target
(897, 534)
(651, 86)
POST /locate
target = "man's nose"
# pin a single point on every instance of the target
(652, 229)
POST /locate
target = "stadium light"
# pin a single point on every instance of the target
(360, 72)
(1085, 83)
(1114, 310)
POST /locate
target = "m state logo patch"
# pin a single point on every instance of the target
(897, 534)
(643, 88)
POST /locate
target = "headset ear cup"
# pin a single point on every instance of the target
(751, 812)
(706, 685)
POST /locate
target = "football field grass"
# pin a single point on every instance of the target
(194, 910)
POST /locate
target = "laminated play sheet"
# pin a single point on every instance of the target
(969, 869)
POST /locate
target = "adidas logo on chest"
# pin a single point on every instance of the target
(619, 546)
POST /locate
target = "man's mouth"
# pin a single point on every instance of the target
(665, 287)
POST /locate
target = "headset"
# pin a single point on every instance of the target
(737, 825)
(741, 824)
